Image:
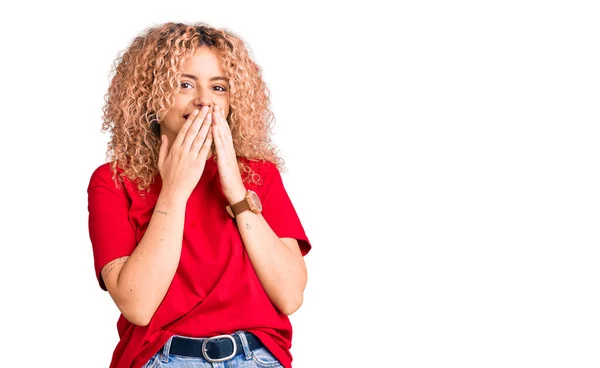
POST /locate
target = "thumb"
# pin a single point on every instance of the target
(164, 149)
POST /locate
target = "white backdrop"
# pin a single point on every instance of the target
(442, 156)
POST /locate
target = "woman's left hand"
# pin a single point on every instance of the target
(229, 172)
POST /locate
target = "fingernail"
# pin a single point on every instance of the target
(209, 116)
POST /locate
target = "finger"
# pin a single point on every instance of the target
(193, 130)
(220, 116)
(201, 136)
(216, 133)
(164, 149)
(222, 144)
(217, 117)
(224, 129)
(181, 134)
(196, 114)
(206, 146)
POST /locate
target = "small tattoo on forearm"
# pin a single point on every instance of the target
(248, 226)
(161, 212)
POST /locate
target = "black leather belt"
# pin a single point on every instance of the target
(213, 349)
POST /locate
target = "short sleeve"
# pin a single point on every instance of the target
(111, 233)
(278, 209)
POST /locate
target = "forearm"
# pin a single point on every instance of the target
(149, 271)
(281, 271)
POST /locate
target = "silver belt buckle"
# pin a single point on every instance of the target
(204, 350)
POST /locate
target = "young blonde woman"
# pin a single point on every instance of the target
(193, 233)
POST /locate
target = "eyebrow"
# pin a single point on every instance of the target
(211, 79)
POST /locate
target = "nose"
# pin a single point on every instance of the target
(201, 101)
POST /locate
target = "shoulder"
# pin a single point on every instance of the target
(102, 175)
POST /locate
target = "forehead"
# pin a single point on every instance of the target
(203, 63)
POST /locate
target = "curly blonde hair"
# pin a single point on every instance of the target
(144, 81)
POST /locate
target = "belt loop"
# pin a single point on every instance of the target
(164, 357)
(245, 346)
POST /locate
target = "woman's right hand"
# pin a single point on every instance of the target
(181, 166)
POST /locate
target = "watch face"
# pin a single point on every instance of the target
(255, 202)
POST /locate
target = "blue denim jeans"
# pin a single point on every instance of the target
(261, 358)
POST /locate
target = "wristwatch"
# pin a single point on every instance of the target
(250, 202)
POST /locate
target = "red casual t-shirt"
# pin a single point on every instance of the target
(215, 289)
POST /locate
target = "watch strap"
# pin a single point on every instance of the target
(240, 207)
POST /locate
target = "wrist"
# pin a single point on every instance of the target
(251, 202)
(171, 198)
(239, 196)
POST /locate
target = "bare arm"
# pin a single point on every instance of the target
(139, 283)
(278, 262)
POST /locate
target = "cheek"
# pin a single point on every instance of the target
(173, 120)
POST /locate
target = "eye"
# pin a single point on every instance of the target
(222, 89)
(183, 85)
